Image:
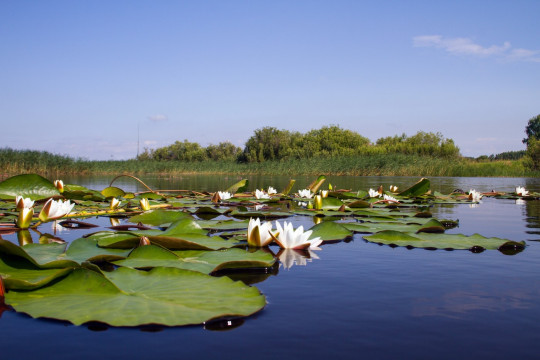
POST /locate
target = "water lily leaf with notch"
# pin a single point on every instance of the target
(206, 262)
(43, 256)
(442, 241)
(31, 186)
(176, 241)
(159, 217)
(315, 185)
(158, 296)
(112, 191)
(240, 186)
(431, 226)
(87, 249)
(265, 214)
(212, 210)
(330, 203)
(420, 188)
(20, 274)
(330, 231)
(223, 225)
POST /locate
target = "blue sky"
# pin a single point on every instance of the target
(80, 77)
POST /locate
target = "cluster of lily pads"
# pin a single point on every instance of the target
(171, 257)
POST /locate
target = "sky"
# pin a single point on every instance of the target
(101, 80)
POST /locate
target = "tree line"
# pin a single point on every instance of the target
(270, 143)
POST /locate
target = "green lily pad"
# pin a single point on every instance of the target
(420, 188)
(145, 257)
(443, 241)
(44, 256)
(158, 217)
(31, 186)
(330, 231)
(112, 191)
(20, 274)
(87, 249)
(238, 187)
(127, 297)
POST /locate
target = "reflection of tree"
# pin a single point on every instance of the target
(532, 209)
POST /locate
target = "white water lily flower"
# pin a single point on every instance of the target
(259, 194)
(53, 210)
(59, 185)
(23, 203)
(259, 234)
(223, 195)
(305, 193)
(271, 190)
(373, 193)
(474, 195)
(288, 238)
(521, 191)
(390, 198)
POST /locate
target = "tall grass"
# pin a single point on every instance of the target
(14, 162)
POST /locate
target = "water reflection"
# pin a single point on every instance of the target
(532, 211)
(290, 257)
(460, 303)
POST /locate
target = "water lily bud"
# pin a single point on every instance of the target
(329, 186)
(23, 202)
(24, 237)
(310, 205)
(59, 185)
(144, 241)
(324, 193)
(145, 204)
(25, 218)
(318, 202)
(259, 235)
(393, 188)
(114, 203)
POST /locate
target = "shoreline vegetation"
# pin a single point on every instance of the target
(13, 162)
(330, 150)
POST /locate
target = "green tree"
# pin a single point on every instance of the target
(532, 129)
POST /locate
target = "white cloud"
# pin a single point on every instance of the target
(466, 46)
(158, 118)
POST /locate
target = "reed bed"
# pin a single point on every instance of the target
(14, 162)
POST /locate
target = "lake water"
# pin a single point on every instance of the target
(357, 300)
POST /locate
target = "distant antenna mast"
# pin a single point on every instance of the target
(138, 122)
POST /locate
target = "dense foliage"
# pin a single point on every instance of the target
(533, 129)
(270, 144)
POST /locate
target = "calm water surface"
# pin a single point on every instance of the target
(357, 300)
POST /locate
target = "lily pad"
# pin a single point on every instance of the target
(158, 217)
(31, 186)
(420, 188)
(145, 257)
(112, 191)
(127, 297)
(20, 274)
(330, 231)
(443, 241)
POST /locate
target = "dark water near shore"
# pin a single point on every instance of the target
(357, 300)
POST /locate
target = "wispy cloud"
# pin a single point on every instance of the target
(158, 118)
(466, 46)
